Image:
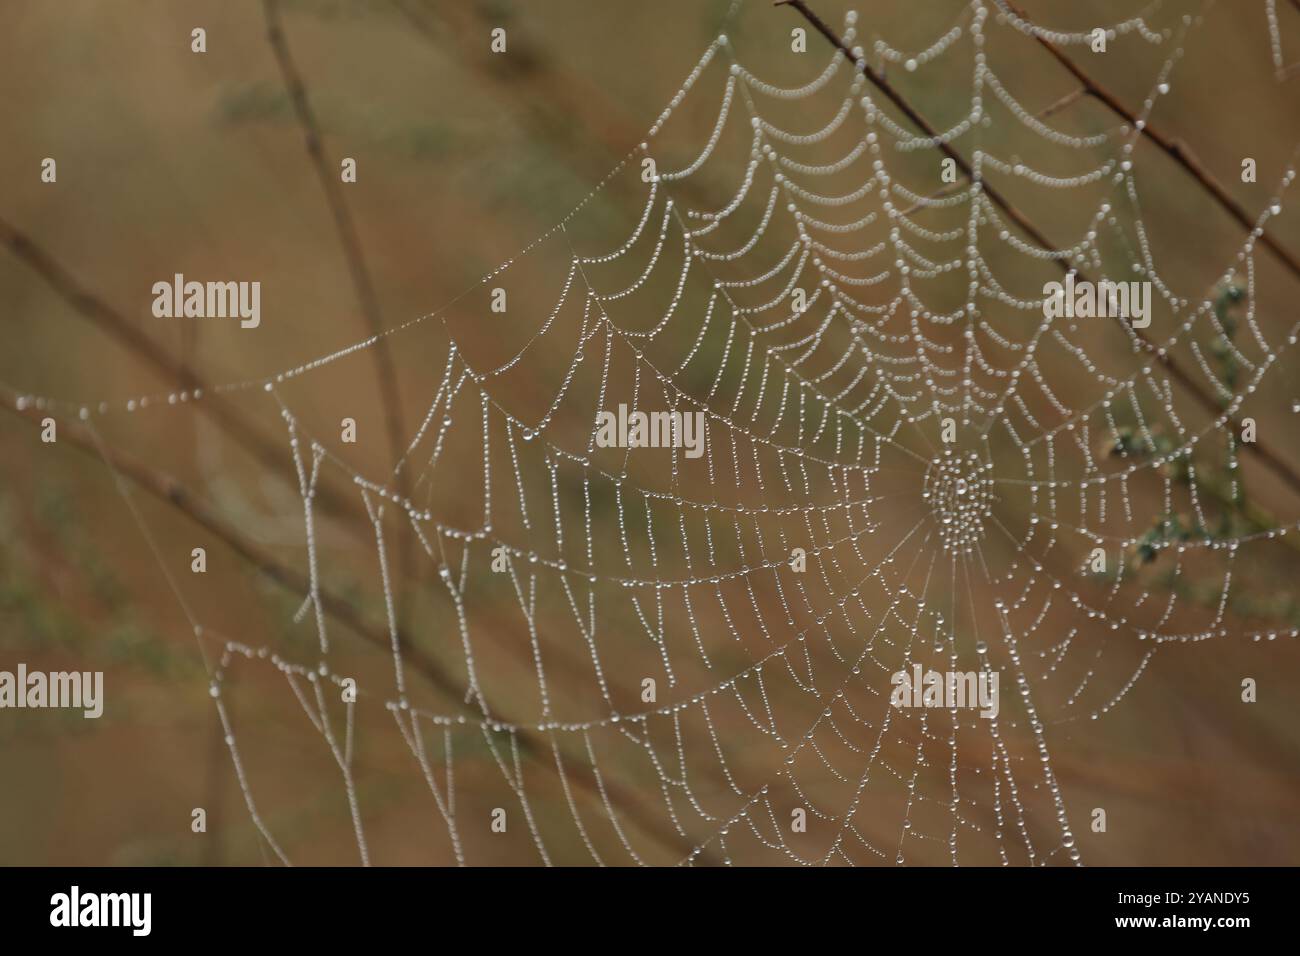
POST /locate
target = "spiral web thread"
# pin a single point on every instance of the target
(799, 318)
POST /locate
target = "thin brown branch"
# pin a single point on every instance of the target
(1173, 148)
(349, 238)
(947, 190)
(1264, 453)
(224, 413)
(954, 187)
(632, 806)
(1063, 102)
(921, 123)
(362, 281)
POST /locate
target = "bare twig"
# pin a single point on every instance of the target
(1279, 466)
(1063, 102)
(947, 190)
(362, 281)
(347, 231)
(1173, 148)
(956, 187)
(224, 413)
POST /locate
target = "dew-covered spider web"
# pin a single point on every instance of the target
(651, 658)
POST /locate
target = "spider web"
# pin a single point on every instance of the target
(826, 319)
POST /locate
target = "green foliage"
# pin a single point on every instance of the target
(1168, 530)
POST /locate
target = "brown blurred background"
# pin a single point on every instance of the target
(169, 162)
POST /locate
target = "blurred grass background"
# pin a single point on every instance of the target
(174, 162)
